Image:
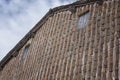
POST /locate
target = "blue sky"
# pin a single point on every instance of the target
(17, 17)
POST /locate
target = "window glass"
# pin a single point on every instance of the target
(83, 20)
(25, 52)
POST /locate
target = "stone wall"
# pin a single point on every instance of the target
(61, 51)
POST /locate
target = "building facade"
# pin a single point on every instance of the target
(79, 41)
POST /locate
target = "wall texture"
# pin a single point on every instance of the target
(61, 51)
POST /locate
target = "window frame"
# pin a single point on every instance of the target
(25, 51)
(86, 12)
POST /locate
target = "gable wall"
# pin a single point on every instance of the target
(60, 51)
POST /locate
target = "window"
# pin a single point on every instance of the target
(83, 20)
(25, 52)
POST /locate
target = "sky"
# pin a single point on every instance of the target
(17, 17)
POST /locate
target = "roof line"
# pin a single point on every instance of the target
(14, 52)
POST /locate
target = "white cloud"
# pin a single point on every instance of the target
(17, 17)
